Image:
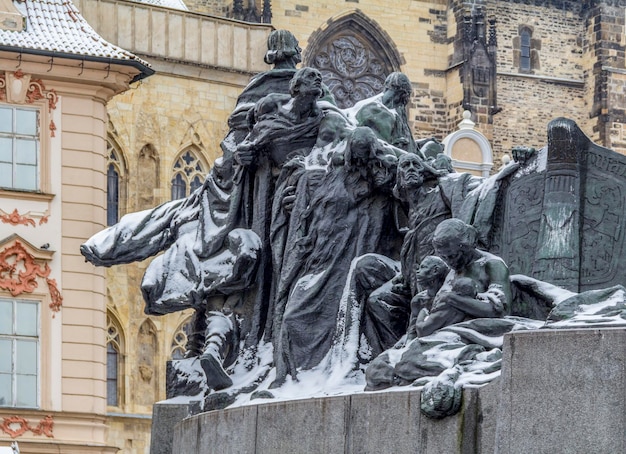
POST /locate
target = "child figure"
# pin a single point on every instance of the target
(428, 277)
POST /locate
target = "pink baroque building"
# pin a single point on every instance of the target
(56, 76)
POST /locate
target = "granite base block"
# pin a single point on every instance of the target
(165, 417)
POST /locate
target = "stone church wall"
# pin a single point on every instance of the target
(527, 107)
(216, 7)
(605, 46)
(553, 87)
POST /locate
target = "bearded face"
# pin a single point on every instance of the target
(367, 158)
(382, 169)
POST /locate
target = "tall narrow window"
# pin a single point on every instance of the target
(115, 173)
(114, 361)
(179, 187)
(113, 195)
(112, 374)
(19, 353)
(188, 176)
(524, 61)
(19, 148)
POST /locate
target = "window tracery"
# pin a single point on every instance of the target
(113, 182)
(116, 176)
(354, 56)
(179, 341)
(189, 172)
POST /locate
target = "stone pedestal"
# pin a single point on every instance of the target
(561, 391)
(361, 423)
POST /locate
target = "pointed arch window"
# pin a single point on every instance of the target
(179, 341)
(114, 362)
(189, 172)
(115, 183)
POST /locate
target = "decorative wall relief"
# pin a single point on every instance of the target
(148, 176)
(16, 426)
(351, 70)
(147, 345)
(28, 218)
(354, 56)
(479, 70)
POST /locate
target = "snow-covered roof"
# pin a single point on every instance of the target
(176, 4)
(55, 27)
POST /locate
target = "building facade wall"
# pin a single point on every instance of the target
(417, 30)
(170, 113)
(555, 84)
(49, 224)
(604, 47)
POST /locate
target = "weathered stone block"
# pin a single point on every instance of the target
(312, 425)
(186, 438)
(384, 422)
(233, 431)
(563, 391)
(165, 416)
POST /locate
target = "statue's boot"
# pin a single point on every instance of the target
(212, 358)
(211, 362)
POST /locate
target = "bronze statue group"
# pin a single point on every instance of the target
(331, 235)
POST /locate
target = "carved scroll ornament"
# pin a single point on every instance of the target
(28, 218)
(16, 219)
(19, 272)
(351, 70)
